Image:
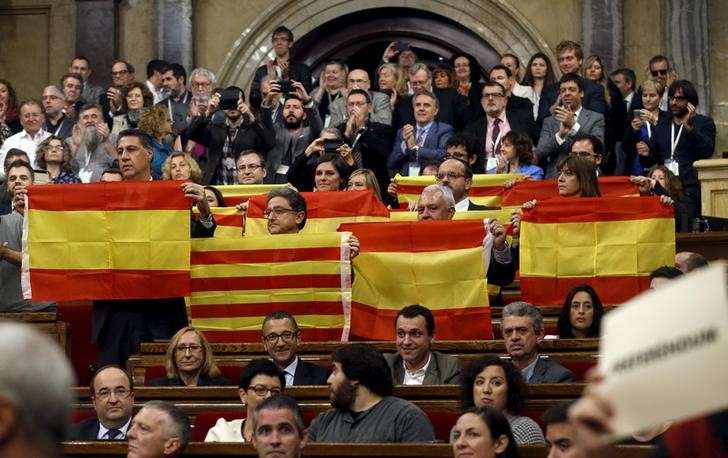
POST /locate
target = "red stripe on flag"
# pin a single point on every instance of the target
(307, 334)
(89, 284)
(274, 282)
(593, 209)
(264, 308)
(430, 236)
(523, 191)
(127, 195)
(229, 220)
(482, 191)
(330, 204)
(553, 291)
(369, 323)
(271, 255)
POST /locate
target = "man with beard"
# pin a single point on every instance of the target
(90, 144)
(240, 130)
(301, 125)
(364, 409)
(56, 121)
(681, 140)
(174, 82)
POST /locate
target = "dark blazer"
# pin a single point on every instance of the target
(297, 71)
(309, 133)
(549, 371)
(472, 206)
(519, 120)
(202, 381)
(432, 149)
(374, 144)
(443, 369)
(632, 137)
(310, 374)
(593, 99)
(84, 430)
(453, 109)
(211, 134)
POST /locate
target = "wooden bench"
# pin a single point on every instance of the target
(48, 323)
(223, 449)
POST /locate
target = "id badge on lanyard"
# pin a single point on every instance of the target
(671, 163)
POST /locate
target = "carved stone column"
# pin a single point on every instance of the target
(602, 31)
(96, 36)
(173, 42)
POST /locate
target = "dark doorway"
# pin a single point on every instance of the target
(360, 38)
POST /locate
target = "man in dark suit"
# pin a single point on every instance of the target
(112, 393)
(499, 119)
(453, 106)
(120, 326)
(122, 75)
(625, 81)
(504, 76)
(425, 141)
(414, 363)
(571, 57)
(282, 66)
(281, 337)
(523, 330)
(458, 176)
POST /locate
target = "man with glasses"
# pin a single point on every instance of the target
(660, 69)
(588, 147)
(500, 118)
(112, 393)
(251, 167)
(381, 108)
(462, 146)
(122, 75)
(281, 337)
(259, 380)
(458, 176)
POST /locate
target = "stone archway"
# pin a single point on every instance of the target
(497, 23)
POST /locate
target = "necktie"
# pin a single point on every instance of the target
(420, 137)
(494, 136)
(112, 434)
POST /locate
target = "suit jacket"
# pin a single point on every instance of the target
(550, 153)
(84, 430)
(91, 93)
(212, 134)
(443, 369)
(381, 110)
(472, 206)
(453, 109)
(373, 144)
(297, 71)
(310, 374)
(180, 111)
(432, 149)
(519, 120)
(304, 138)
(549, 371)
(593, 99)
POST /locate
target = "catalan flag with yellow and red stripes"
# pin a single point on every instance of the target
(106, 241)
(526, 190)
(487, 189)
(237, 282)
(610, 243)
(438, 264)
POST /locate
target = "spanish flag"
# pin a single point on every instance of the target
(438, 264)
(235, 194)
(106, 241)
(610, 243)
(237, 282)
(325, 211)
(526, 190)
(486, 190)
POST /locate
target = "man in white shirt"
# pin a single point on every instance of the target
(28, 139)
(154, 79)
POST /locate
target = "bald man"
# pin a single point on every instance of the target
(381, 109)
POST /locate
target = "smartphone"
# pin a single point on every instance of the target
(330, 146)
(401, 46)
(286, 87)
(41, 176)
(638, 114)
(229, 99)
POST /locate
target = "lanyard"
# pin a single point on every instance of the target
(674, 140)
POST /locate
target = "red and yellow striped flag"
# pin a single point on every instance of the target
(438, 264)
(106, 241)
(325, 211)
(526, 190)
(610, 243)
(235, 194)
(237, 282)
(487, 189)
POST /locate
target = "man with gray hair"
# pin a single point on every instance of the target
(202, 82)
(91, 145)
(56, 121)
(35, 396)
(278, 428)
(160, 429)
(523, 330)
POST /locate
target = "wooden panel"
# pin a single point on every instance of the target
(24, 49)
(48, 323)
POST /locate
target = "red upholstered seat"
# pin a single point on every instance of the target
(579, 368)
(231, 372)
(443, 423)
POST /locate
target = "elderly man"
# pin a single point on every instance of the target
(424, 141)
(278, 428)
(286, 211)
(523, 330)
(381, 108)
(281, 337)
(28, 139)
(122, 75)
(72, 86)
(90, 144)
(364, 409)
(35, 396)
(251, 167)
(112, 393)
(56, 121)
(414, 363)
(82, 66)
(159, 430)
(686, 261)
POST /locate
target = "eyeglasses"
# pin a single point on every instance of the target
(287, 336)
(251, 167)
(677, 98)
(659, 72)
(493, 96)
(197, 85)
(190, 348)
(450, 175)
(262, 390)
(119, 73)
(277, 211)
(54, 148)
(582, 153)
(462, 157)
(120, 393)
